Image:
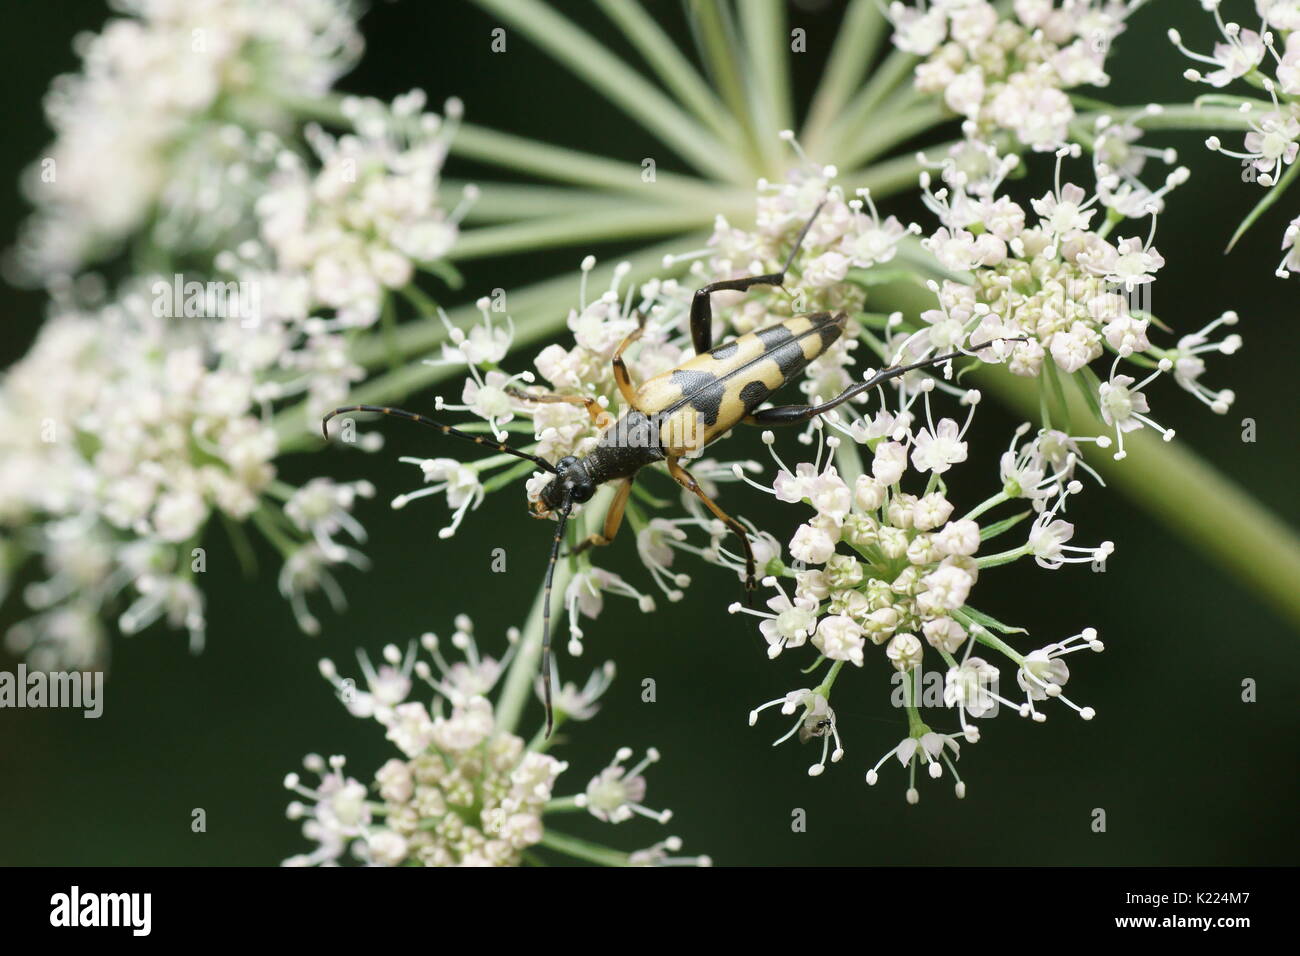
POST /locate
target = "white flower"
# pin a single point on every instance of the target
(889, 462)
(840, 638)
(584, 597)
(814, 541)
(617, 792)
(1048, 536)
(1291, 246)
(917, 31)
(816, 720)
(904, 652)
(931, 750)
(946, 589)
(359, 224)
(868, 241)
(411, 729)
(1043, 673)
(459, 482)
(1074, 348)
(789, 623)
(945, 634)
(1242, 52)
(1125, 407)
(940, 450)
(971, 687)
(338, 811)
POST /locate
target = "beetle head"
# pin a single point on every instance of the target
(571, 483)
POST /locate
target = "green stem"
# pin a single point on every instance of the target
(572, 166)
(882, 136)
(625, 222)
(895, 69)
(562, 805)
(767, 73)
(859, 35)
(1195, 500)
(608, 75)
(673, 68)
(1178, 116)
(717, 42)
(583, 850)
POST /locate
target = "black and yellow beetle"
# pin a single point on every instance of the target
(673, 416)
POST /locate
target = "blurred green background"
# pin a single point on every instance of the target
(1186, 771)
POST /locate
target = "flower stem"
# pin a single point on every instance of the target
(1196, 501)
(582, 850)
(859, 36)
(607, 74)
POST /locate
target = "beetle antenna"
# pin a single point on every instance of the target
(803, 234)
(541, 463)
(894, 371)
(546, 615)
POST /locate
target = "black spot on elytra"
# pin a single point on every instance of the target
(789, 358)
(726, 350)
(753, 394)
(703, 390)
(828, 326)
(774, 335)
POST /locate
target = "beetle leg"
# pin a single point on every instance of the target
(621, 376)
(593, 407)
(683, 478)
(702, 305)
(613, 520)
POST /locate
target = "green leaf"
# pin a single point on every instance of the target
(521, 470)
(880, 276)
(991, 623)
(1090, 388)
(1276, 191)
(1006, 524)
(639, 491)
(445, 271)
(1053, 376)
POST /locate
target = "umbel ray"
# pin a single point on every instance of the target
(674, 415)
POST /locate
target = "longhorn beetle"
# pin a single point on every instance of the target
(674, 415)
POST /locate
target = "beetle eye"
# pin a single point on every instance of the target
(581, 492)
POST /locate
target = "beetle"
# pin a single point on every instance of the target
(674, 415)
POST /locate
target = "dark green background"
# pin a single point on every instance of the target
(1186, 772)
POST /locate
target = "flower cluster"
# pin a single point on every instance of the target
(846, 237)
(344, 232)
(465, 791)
(1268, 59)
(1011, 73)
(1058, 284)
(146, 410)
(130, 433)
(164, 123)
(878, 566)
(338, 236)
